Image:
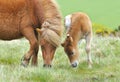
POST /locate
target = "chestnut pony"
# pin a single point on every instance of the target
(78, 27)
(20, 18)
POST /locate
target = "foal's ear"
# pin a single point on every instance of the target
(68, 35)
(70, 38)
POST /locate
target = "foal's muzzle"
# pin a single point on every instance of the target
(74, 64)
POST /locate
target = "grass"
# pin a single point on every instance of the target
(105, 53)
(105, 12)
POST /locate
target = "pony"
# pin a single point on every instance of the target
(21, 18)
(78, 26)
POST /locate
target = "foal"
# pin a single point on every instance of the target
(78, 27)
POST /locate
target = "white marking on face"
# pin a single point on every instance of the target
(68, 21)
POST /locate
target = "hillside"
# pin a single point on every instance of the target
(104, 12)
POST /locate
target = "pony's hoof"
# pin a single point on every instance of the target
(90, 63)
(24, 64)
(90, 66)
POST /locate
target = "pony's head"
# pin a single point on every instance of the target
(49, 40)
(71, 50)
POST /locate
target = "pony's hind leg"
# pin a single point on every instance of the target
(88, 47)
(28, 32)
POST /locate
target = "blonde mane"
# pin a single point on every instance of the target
(53, 32)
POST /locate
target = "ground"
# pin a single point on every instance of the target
(105, 55)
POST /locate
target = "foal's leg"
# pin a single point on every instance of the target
(28, 32)
(88, 47)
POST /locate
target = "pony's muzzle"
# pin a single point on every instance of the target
(74, 64)
(48, 66)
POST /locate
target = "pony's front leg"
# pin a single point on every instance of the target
(88, 47)
(34, 47)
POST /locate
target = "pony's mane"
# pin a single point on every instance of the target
(52, 7)
(52, 34)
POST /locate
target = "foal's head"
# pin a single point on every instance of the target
(71, 50)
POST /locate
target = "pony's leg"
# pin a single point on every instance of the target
(28, 32)
(35, 57)
(88, 47)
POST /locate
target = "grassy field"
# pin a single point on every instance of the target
(105, 53)
(104, 12)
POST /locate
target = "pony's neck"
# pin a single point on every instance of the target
(38, 11)
(51, 10)
(44, 11)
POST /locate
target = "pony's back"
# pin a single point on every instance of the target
(11, 5)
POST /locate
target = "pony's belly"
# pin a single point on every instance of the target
(9, 31)
(9, 35)
(9, 26)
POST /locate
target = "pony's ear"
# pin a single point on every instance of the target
(62, 44)
(46, 24)
(38, 30)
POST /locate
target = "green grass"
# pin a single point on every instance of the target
(105, 53)
(105, 12)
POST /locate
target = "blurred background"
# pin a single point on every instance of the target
(104, 12)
